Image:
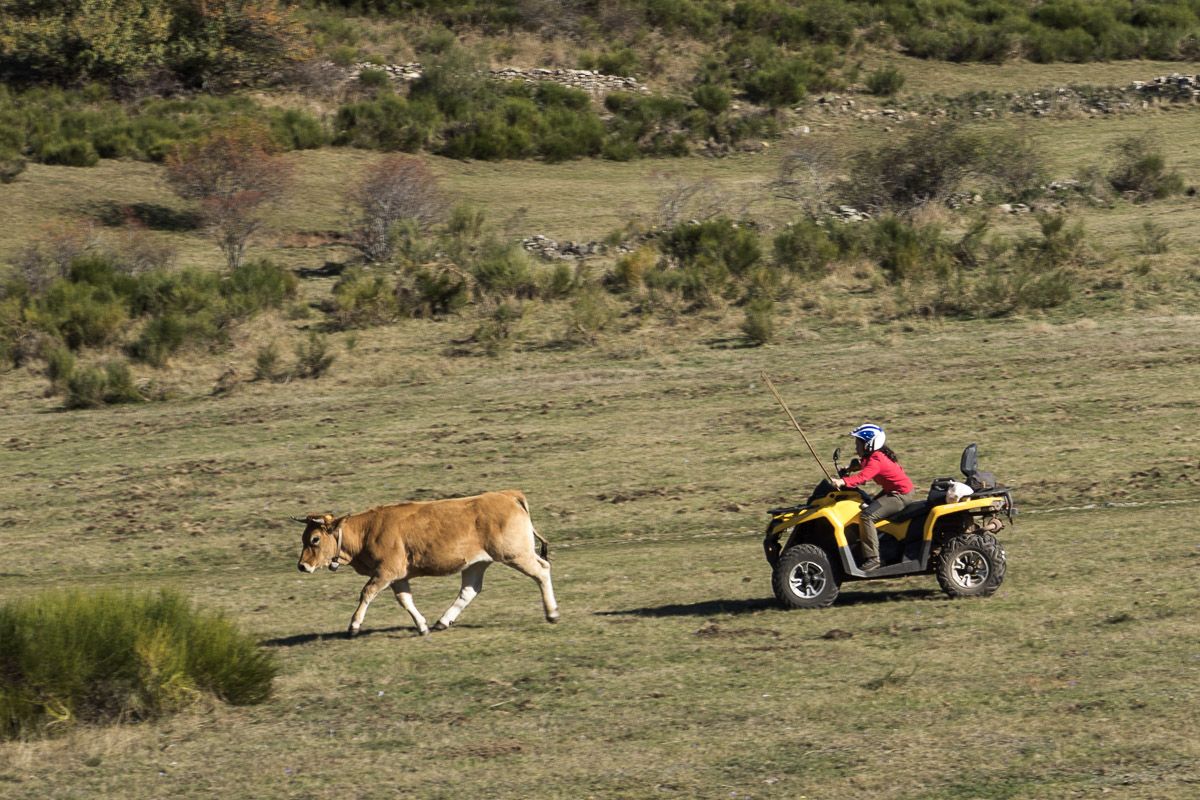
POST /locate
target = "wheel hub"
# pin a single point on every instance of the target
(970, 569)
(807, 579)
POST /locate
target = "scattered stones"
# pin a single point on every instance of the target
(590, 81)
(548, 248)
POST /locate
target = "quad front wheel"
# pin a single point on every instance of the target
(971, 565)
(805, 578)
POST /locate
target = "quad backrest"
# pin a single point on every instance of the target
(970, 460)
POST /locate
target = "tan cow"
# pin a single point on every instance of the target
(392, 544)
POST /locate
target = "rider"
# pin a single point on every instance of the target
(880, 464)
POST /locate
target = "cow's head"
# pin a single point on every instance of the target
(321, 542)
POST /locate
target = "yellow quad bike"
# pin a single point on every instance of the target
(944, 534)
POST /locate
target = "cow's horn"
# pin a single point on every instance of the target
(299, 519)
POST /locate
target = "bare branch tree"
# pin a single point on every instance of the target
(806, 178)
(398, 189)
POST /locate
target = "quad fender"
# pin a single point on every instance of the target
(970, 505)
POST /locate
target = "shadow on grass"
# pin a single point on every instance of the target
(731, 343)
(149, 215)
(708, 608)
(309, 638)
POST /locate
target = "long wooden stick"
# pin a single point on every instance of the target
(771, 386)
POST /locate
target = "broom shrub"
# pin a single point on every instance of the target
(71, 657)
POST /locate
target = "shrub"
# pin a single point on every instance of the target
(362, 299)
(68, 153)
(431, 292)
(313, 358)
(713, 99)
(885, 81)
(266, 363)
(296, 130)
(165, 335)
(388, 123)
(256, 286)
(371, 78)
(591, 313)
(805, 248)
(79, 313)
(503, 268)
(759, 324)
(905, 251)
(720, 240)
(75, 657)
(930, 163)
(86, 388)
(494, 334)
(60, 366)
(1141, 170)
(631, 269)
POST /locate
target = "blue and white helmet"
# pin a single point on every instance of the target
(870, 435)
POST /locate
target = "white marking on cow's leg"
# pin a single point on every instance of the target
(373, 587)
(539, 569)
(404, 596)
(472, 585)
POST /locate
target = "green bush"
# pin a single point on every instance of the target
(1141, 170)
(105, 656)
(431, 292)
(266, 363)
(388, 122)
(68, 153)
(504, 269)
(591, 313)
(92, 387)
(313, 358)
(60, 366)
(297, 130)
(362, 299)
(885, 81)
(805, 248)
(255, 286)
(80, 314)
(495, 333)
(905, 251)
(723, 241)
(759, 323)
(165, 335)
(371, 78)
(713, 99)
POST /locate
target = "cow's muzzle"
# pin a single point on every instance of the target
(304, 567)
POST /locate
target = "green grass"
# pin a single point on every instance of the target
(672, 672)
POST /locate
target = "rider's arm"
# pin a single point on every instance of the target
(870, 468)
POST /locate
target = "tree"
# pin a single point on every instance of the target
(397, 189)
(235, 175)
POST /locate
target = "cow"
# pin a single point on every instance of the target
(394, 543)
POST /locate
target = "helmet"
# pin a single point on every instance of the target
(870, 435)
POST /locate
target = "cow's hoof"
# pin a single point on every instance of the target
(423, 631)
(351, 632)
(552, 618)
(440, 626)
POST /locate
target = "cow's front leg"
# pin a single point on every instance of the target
(373, 587)
(472, 585)
(404, 596)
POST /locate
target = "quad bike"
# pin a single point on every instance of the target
(947, 534)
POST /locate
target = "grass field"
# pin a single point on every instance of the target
(649, 461)
(672, 673)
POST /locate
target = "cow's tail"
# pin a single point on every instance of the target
(545, 544)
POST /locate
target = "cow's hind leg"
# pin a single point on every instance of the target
(404, 596)
(538, 569)
(373, 587)
(472, 585)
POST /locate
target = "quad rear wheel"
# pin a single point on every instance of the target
(805, 578)
(971, 565)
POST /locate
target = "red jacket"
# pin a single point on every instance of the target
(884, 471)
